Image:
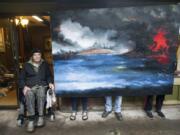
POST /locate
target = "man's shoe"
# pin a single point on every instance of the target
(119, 116)
(52, 117)
(105, 114)
(20, 120)
(149, 114)
(30, 126)
(40, 122)
(161, 114)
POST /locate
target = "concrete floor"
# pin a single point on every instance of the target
(135, 123)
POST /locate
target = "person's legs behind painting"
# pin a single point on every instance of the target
(117, 107)
(84, 101)
(148, 106)
(74, 105)
(159, 104)
(108, 106)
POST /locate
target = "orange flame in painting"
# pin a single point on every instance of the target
(160, 42)
(160, 45)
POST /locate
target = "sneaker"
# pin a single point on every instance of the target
(73, 116)
(52, 117)
(20, 120)
(40, 122)
(85, 115)
(30, 126)
(119, 116)
(149, 114)
(161, 114)
(105, 114)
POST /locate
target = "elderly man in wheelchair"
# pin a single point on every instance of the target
(35, 78)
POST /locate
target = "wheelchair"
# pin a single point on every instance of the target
(22, 116)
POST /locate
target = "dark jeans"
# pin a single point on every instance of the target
(149, 102)
(84, 102)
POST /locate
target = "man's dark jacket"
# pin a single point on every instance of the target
(29, 77)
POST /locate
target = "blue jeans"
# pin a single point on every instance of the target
(84, 102)
(117, 104)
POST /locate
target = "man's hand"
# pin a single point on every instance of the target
(51, 86)
(26, 88)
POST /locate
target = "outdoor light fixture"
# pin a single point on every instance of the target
(37, 18)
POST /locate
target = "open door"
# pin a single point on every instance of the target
(8, 64)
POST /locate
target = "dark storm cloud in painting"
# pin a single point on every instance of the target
(125, 51)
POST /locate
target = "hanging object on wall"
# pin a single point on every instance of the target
(2, 41)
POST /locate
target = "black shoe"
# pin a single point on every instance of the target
(20, 120)
(149, 114)
(161, 114)
(105, 114)
(119, 116)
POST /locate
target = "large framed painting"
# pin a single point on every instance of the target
(129, 51)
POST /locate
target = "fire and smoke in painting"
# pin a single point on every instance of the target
(115, 51)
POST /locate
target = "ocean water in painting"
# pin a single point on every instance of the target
(96, 74)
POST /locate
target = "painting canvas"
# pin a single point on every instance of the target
(129, 51)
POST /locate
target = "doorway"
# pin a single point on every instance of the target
(18, 36)
(35, 33)
(8, 62)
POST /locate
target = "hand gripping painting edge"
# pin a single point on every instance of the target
(128, 51)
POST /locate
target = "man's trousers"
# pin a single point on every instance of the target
(37, 93)
(149, 102)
